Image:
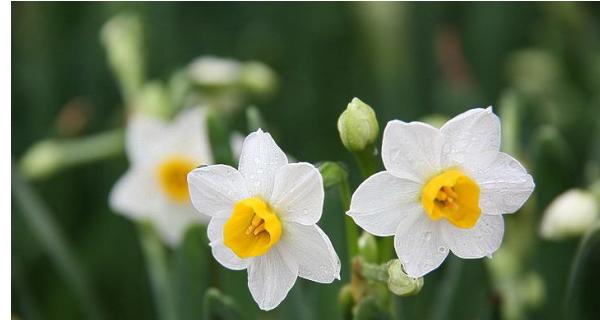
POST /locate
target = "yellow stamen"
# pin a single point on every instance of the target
(172, 177)
(453, 196)
(252, 229)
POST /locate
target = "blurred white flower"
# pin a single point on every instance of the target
(263, 218)
(570, 214)
(155, 186)
(214, 71)
(444, 189)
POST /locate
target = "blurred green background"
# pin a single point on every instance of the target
(539, 61)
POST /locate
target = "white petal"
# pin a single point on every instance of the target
(411, 150)
(313, 251)
(420, 246)
(215, 189)
(383, 202)
(220, 251)
(172, 221)
(189, 135)
(504, 186)
(271, 276)
(298, 193)
(136, 194)
(143, 138)
(471, 138)
(259, 162)
(477, 242)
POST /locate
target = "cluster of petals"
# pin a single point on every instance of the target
(389, 203)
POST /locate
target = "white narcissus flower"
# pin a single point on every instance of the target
(570, 214)
(263, 219)
(443, 190)
(161, 154)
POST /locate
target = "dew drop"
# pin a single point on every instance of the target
(427, 236)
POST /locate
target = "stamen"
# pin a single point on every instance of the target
(259, 229)
(447, 196)
(256, 226)
(451, 204)
(449, 191)
(441, 196)
(256, 220)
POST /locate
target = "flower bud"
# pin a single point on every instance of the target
(570, 214)
(154, 99)
(332, 173)
(399, 282)
(212, 71)
(367, 247)
(122, 39)
(42, 159)
(257, 78)
(358, 126)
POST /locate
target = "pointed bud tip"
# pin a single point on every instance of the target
(358, 126)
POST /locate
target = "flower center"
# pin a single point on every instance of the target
(172, 177)
(252, 229)
(454, 196)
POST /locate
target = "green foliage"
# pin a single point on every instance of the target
(538, 65)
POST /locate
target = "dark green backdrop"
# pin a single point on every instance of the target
(405, 60)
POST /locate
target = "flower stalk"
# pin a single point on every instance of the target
(335, 175)
(48, 157)
(158, 273)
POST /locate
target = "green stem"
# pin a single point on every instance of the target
(50, 156)
(367, 161)
(156, 263)
(218, 133)
(351, 231)
(44, 228)
(583, 269)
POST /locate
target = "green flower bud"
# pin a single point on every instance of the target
(154, 99)
(332, 173)
(358, 126)
(42, 159)
(123, 42)
(367, 247)
(399, 282)
(393, 275)
(570, 214)
(50, 156)
(257, 78)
